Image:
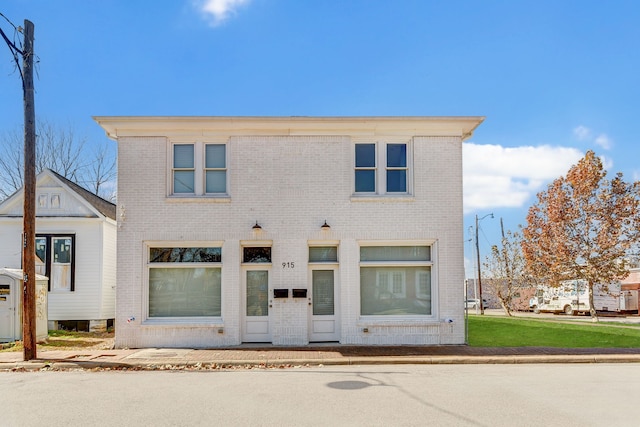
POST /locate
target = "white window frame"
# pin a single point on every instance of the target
(381, 168)
(431, 263)
(148, 265)
(199, 170)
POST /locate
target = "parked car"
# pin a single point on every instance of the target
(473, 303)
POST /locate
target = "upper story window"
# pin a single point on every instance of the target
(390, 178)
(199, 169)
(183, 168)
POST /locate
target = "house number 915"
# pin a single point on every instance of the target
(289, 264)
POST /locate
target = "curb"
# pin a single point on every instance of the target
(166, 364)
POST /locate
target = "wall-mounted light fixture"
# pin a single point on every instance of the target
(325, 226)
(256, 227)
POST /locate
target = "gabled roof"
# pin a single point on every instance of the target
(103, 206)
(96, 203)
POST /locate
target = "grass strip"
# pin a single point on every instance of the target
(491, 331)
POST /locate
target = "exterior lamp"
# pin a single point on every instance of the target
(325, 226)
(256, 227)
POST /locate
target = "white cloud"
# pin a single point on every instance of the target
(499, 177)
(604, 142)
(219, 10)
(607, 162)
(582, 133)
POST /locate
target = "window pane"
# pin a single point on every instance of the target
(256, 254)
(323, 292)
(323, 254)
(396, 181)
(41, 250)
(215, 156)
(396, 155)
(365, 181)
(395, 253)
(258, 293)
(183, 156)
(185, 254)
(184, 292)
(365, 155)
(395, 291)
(62, 250)
(183, 182)
(216, 182)
(60, 276)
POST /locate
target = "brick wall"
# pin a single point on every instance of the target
(290, 185)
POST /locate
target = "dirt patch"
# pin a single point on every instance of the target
(66, 341)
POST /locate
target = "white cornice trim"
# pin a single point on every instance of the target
(205, 127)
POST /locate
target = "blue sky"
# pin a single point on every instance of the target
(554, 78)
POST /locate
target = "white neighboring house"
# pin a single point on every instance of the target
(75, 249)
(289, 230)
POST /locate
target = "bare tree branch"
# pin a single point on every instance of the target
(62, 151)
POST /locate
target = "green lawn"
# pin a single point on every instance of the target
(492, 331)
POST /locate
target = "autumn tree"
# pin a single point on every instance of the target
(505, 270)
(583, 226)
(63, 151)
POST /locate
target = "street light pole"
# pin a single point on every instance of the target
(480, 300)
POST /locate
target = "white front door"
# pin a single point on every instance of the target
(7, 310)
(256, 307)
(324, 322)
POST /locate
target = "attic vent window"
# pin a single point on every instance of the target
(43, 200)
(55, 201)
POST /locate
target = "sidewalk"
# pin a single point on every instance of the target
(251, 356)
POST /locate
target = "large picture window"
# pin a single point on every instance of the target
(199, 169)
(390, 178)
(395, 280)
(185, 282)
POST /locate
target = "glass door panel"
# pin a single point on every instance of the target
(322, 292)
(257, 293)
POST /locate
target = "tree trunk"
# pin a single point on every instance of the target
(592, 309)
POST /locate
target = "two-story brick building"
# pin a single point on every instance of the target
(289, 230)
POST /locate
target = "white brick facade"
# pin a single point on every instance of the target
(290, 175)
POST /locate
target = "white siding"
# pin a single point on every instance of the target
(94, 295)
(108, 270)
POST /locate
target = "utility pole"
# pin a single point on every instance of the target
(29, 215)
(481, 301)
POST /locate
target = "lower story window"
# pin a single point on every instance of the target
(55, 258)
(185, 282)
(184, 292)
(395, 290)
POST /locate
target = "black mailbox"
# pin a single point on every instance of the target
(281, 293)
(299, 293)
